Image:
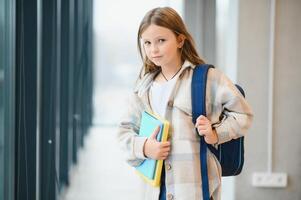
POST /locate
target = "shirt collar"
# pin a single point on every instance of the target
(143, 84)
(187, 64)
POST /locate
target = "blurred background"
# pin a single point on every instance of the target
(67, 68)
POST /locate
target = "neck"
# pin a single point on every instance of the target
(170, 71)
(167, 78)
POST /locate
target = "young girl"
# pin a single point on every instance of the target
(164, 87)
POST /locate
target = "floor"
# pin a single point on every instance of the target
(102, 173)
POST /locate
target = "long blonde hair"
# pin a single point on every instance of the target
(168, 18)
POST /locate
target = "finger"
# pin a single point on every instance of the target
(165, 154)
(155, 133)
(202, 122)
(200, 133)
(165, 144)
(166, 149)
(163, 158)
(203, 132)
(203, 127)
(201, 118)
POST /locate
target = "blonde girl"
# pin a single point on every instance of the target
(164, 87)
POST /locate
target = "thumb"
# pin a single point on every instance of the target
(155, 133)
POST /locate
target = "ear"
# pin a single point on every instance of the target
(181, 40)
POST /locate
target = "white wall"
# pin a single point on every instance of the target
(253, 52)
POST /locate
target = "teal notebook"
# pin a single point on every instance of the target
(150, 169)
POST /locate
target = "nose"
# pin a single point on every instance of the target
(154, 49)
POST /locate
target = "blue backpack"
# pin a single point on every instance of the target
(230, 154)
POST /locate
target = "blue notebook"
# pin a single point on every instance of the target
(150, 170)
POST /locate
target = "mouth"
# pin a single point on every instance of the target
(156, 57)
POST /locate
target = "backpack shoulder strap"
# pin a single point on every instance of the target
(198, 101)
(198, 90)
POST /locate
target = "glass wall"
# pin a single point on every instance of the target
(1, 105)
(46, 90)
(7, 56)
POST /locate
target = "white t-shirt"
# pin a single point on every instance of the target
(159, 95)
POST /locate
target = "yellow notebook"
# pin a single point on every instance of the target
(150, 170)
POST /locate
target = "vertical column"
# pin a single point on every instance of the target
(199, 16)
(50, 94)
(227, 36)
(71, 60)
(65, 99)
(26, 99)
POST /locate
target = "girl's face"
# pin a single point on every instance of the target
(161, 46)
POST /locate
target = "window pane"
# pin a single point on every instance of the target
(6, 99)
(2, 28)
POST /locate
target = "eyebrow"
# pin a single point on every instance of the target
(160, 36)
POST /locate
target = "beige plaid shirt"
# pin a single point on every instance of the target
(227, 110)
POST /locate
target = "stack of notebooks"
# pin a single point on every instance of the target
(150, 170)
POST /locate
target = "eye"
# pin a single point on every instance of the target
(161, 40)
(146, 43)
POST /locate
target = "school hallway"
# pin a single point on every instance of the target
(67, 67)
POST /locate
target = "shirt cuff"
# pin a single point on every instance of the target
(223, 136)
(138, 147)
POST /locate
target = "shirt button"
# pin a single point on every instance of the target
(168, 166)
(170, 103)
(169, 196)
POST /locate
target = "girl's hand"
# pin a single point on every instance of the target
(154, 149)
(205, 129)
